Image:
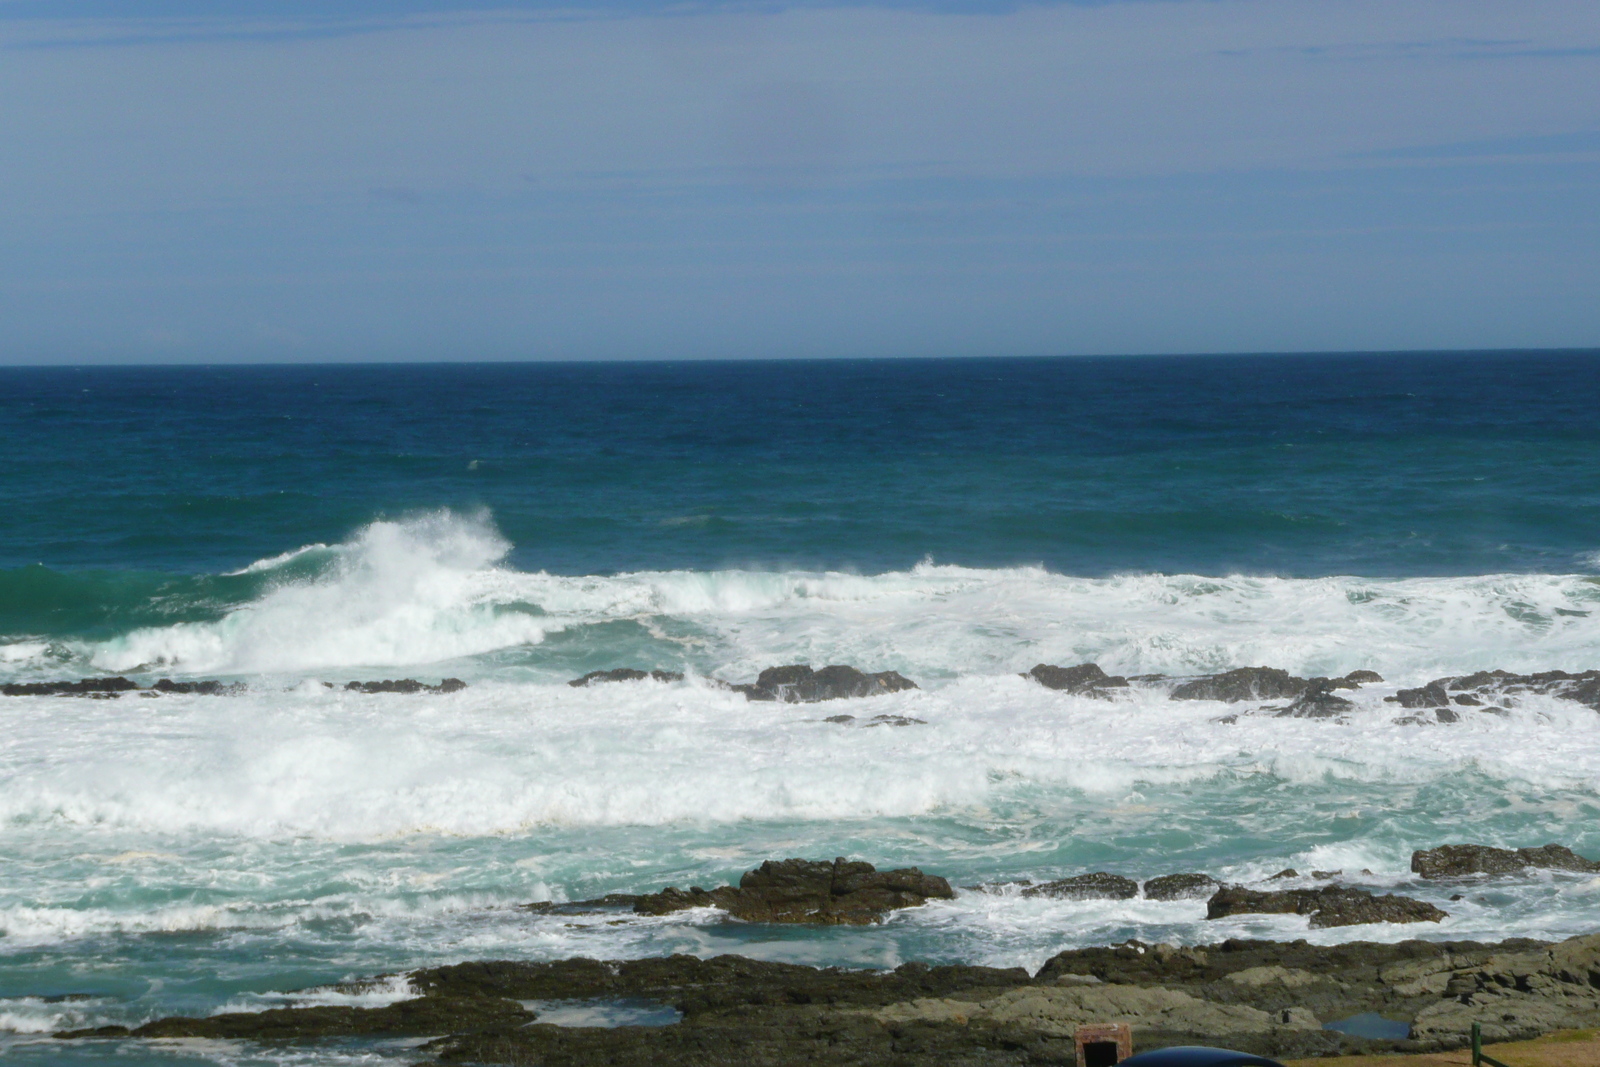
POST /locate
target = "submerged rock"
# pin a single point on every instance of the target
(876, 720)
(1458, 861)
(1328, 906)
(1097, 886)
(625, 674)
(406, 685)
(1473, 690)
(1180, 887)
(1086, 679)
(799, 684)
(1318, 701)
(1245, 683)
(844, 892)
(206, 688)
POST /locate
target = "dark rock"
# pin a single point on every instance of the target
(1180, 887)
(406, 685)
(1264, 997)
(1086, 679)
(800, 684)
(1287, 872)
(85, 687)
(1471, 689)
(625, 674)
(1431, 695)
(1246, 683)
(1318, 701)
(843, 892)
(1446, 715)
(609, 902)
(1328, 906)
(1459, 861)
(1363, 677)
(1097, 886)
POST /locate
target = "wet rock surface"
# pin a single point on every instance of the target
(1327, 906)
(406, 685)
(1265, 997)
(1499, 689)
(1086, 679)
(1461, 861)
(1245, 683)
(88, 687)
(625, 674)
(1318, 701)
(1097, 886)
(1181, 887)
(799, 684)
(843, 892)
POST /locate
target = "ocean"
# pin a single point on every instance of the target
(515, 526)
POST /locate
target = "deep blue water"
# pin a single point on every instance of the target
(1381, 465)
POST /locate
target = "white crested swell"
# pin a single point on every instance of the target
(436, 588)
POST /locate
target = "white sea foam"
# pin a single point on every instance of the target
(129, 797)
(435, 588)
(402, 593)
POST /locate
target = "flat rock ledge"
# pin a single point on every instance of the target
(1462, 861)
(1327, 906)
(1269, 998)
(841, 893)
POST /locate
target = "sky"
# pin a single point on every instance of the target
(314, 180)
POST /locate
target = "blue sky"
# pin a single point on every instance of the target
(219, 181)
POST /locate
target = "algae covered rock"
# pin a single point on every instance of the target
(1097, 886)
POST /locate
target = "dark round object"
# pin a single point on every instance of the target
(1197, 1056)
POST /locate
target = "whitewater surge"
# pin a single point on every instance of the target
(367, 833)
(435, 590)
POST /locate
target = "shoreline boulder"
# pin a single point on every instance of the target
(841, 893)
(1244, 683)
(799, 684)
(1181, 887)
(1100, 885)
(1086, 679)
(1327, 907)
(1460, 861)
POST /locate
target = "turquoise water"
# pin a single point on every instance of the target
(515, 526)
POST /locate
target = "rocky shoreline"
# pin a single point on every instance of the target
(1283, 999)
(1441, 701)
(1271, 998)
